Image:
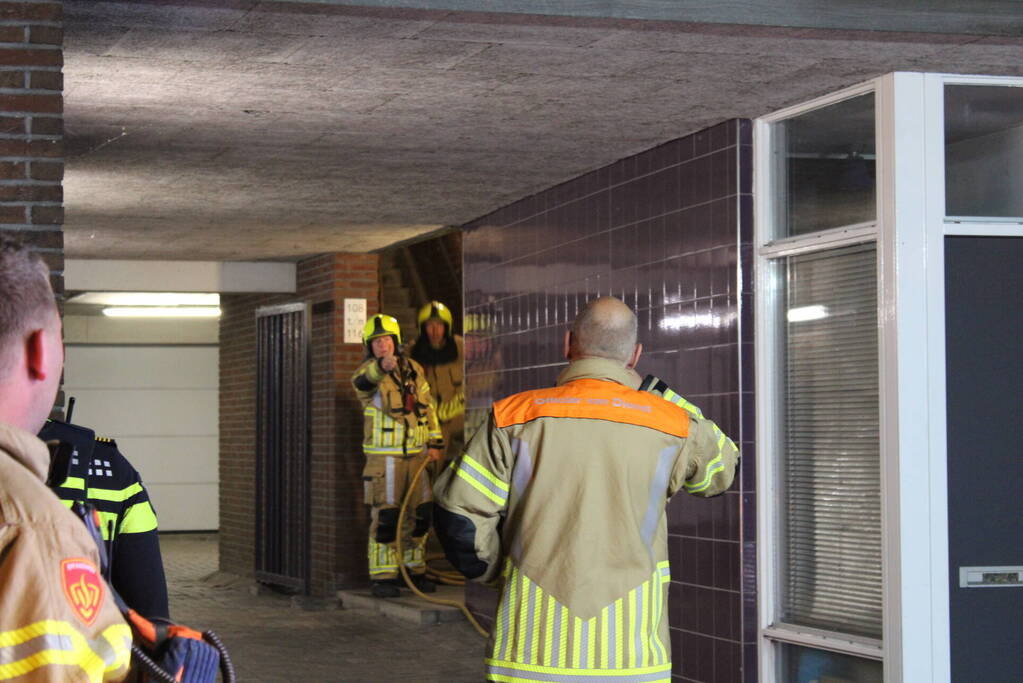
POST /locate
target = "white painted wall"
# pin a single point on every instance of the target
(159, 401)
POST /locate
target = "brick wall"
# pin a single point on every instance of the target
(31, 128)
(338, 519)
(669, 231)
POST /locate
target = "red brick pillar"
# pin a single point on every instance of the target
(356, 277)
(31, 128)
(338, 516)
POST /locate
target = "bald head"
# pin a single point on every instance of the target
(606, 328)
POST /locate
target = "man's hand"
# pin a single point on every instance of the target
(388, 363)
(434, 454)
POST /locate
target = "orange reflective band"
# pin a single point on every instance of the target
(594, 399)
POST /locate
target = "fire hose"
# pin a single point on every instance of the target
(449, 578)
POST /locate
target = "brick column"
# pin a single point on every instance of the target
(31, 128)
(356, 277)
(339, 521)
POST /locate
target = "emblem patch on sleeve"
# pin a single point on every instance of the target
(83, 588)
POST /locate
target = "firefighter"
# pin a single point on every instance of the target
(58, 621)
(441, 354)
(104, 478)
(400, 430)
(562, 494)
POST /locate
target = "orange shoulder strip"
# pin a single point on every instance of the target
(594, 399)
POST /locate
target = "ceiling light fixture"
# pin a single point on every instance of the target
(162, 312)
(146, 299)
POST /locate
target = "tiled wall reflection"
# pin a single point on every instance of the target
(669, 231)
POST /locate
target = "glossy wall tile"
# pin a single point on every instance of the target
(669, 231)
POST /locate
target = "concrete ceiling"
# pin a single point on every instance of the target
(240, 130)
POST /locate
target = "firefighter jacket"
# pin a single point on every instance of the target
(562, 493)
(447, 386)
(101, 476)
(399, 417)
(58, 621)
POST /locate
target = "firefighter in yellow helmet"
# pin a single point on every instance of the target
(441, 353)
(400, 430)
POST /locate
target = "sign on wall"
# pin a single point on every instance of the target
(355, 320)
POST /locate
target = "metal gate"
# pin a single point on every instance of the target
(283, 446)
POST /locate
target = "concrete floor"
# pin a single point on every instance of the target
(272, 641)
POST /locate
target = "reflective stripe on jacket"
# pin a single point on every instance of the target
(388, 429)
(578, 477)
(57, 619)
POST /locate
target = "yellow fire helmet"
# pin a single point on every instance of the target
(436, 310)
(381, 325)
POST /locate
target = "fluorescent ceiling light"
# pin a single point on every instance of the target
(162, 312)
(805, 313)
(146, 299)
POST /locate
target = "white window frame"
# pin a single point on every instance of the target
(769, 252)
(910, 231)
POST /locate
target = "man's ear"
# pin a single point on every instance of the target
(568, 344)
(35, 354)
(635, 356)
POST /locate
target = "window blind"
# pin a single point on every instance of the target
(831, 482)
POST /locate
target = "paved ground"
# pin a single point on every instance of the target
(271, 641)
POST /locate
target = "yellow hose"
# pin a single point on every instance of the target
(404, 570)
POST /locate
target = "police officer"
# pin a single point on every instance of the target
(400, 431)
(100, 475)
(441, 354)
(58, 621)
(563, 494)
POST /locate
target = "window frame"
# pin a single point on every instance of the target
(909, 233)
(770, 258)
(965, 226)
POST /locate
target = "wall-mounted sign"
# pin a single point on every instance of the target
(355, 320)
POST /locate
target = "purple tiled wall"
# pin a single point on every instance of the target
(669, 231)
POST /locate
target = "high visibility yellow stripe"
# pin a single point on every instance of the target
(620, 634)
(631, 662)
(713, 467)
(591, 642)
(140, 518)
(499, 619)
(604, 638)
(527, 669)
(520, 635)
(642, 657)
(80, 654)
(548, 647)
(658, 609)
(480, 487)
(534, 646)
(485, 472)
(562, 645)
(74, 483)
(577, 632)
(671, 396)
(115, 496)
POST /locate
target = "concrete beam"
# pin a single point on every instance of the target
(984, 17)
(178, 276)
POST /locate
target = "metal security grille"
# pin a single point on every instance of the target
(283, 446)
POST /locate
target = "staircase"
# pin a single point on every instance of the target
(396, 299)
(412, 275)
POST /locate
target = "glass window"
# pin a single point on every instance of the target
(830, 451)
(806, 665)
(824, 173)
(984, 151)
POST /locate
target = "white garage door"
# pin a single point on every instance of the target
(160, 404)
